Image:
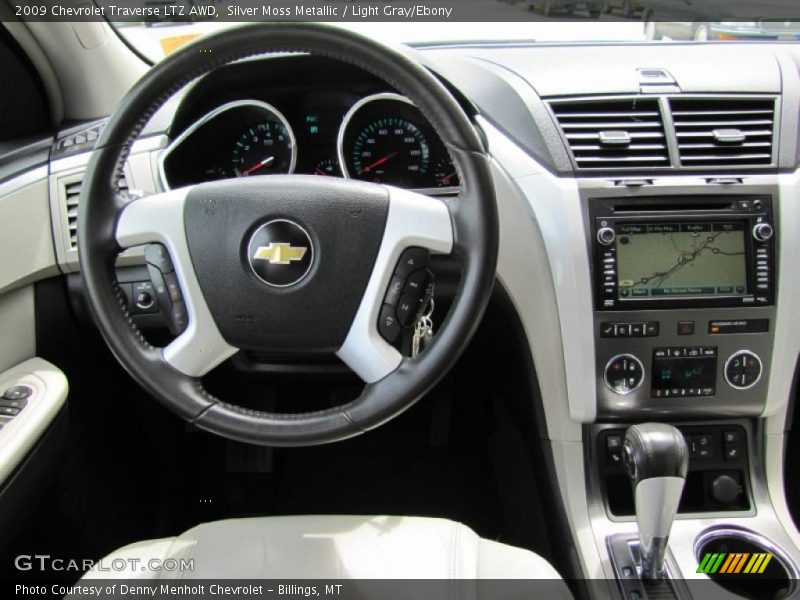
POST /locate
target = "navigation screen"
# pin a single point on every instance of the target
(660, 260)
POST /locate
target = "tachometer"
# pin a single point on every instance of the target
(385, 139)
(240, 138)
(263, 148)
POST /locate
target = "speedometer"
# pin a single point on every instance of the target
(390, 150)
(385, 139)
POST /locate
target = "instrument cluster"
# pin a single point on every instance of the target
(381, 138)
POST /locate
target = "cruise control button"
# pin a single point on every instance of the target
(388, 326)
(412, 259)
(173, 287)
(18, 392)
(157, 255)
(179, 316)
(394, 291)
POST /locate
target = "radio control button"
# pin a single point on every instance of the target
(608, 330)
(763, 231)
(651, 329)
(606, 236)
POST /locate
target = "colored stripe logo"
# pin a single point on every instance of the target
(733, 563)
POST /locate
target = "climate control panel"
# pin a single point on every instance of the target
(698, 362)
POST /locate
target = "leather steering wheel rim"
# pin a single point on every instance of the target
(473, 216)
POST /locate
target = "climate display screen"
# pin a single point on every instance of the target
(684, 372)
(674, 260)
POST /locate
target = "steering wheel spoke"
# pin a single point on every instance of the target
(159, 219)
(413, 220)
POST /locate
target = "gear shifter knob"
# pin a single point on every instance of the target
(657, 459)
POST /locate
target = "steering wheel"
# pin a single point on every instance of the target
(328, 248)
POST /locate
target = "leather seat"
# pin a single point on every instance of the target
(328, 547)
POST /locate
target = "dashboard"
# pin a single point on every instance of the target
(648, 202)
(326, 131)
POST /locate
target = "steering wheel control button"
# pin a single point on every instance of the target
(407, 308)
(394, 291)
(743, 370)
(412, 259)
(280, 253)
(623, 374)
(179, 318)
(173, 287)
(388, 325)
(18, 392)
(157, 255)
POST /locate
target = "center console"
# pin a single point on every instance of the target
(684, 316)
(684, 291)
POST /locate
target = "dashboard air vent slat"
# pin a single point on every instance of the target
(72, 194)
(616, 133)
(724, 132)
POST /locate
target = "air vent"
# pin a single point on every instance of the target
(71, 195)
(613, 134)
(724, 132)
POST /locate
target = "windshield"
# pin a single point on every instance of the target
(169, 24)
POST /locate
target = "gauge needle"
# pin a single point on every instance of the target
(319, 171)
(258, 165)
(378, 162)
(446, 178)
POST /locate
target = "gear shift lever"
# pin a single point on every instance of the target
(657, 458)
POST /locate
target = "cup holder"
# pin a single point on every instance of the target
(777, 580)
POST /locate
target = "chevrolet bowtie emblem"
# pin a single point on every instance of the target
(280, 253)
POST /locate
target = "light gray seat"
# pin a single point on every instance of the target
(327, 547)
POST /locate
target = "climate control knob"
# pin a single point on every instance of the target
(763, 231)
(624, 373)
(606, 236)
(743, 370)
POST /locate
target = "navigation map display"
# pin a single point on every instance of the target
(673, 260)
